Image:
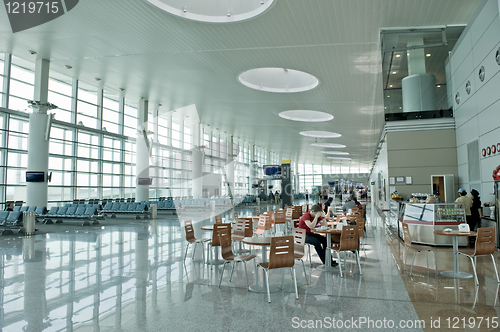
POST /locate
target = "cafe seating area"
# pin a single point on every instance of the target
(217, 270)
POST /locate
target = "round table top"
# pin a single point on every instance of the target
(455, 233)
(207, 228)
(326, 231)
(257, 241)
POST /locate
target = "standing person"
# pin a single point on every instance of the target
(327, 204)
(467, 201)
(307, 195)
(309, 221)
(475, 210)
(277, 197)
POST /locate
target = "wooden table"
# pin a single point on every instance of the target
(328, 254)
(456, 273)
(215, 260)
(264, 242)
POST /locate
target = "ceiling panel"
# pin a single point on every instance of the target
(133, 45)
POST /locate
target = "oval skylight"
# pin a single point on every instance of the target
(339, 158)
(320, 134)
(214, 11)
(281, 80)
(306, 116)
(329, 145)
(335, 152)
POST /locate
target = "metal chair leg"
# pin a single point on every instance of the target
(194, 249)
(495, 266)
(412, 261)
(246, 275)
(185, 255)
(435, 261)
(406, 257)
(305, 274)
(232, 270)
(474, 269)
(295, 279)
(222, 274)
(357, 259)
(267, 284)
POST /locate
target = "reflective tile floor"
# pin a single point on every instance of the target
(128, 275)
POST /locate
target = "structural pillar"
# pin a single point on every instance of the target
(142, 152)
(197, 160)
(38, 140)
(230, 166)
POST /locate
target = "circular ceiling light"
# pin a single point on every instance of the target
(335, 152)
(280, 80)
(339, 158)
(214, 11)
(329, 145)
(306, 116)
(320, 134)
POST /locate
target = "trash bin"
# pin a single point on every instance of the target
(153, 211)
(29, 223)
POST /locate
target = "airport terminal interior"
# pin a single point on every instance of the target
(123, 121)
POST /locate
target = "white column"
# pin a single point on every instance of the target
(416, 57)
(38, 146)
(197, 160)
(142, 152)
(230, 165)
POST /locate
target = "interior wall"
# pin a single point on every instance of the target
(419, 155)
(379, 180)
(476, 101)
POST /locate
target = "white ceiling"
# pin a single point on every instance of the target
(177, 62)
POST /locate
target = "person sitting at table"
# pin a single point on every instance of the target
(311, 220)
(349, 204)
(327, 203)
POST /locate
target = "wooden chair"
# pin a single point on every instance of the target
(299, 237)
(485, 245)
(218, 219)
(348, 242)
(416, 248)
(215, 235)
(190, 238)
(360, 223)
(228, 255)
(297, 212)
(263, 225)
(280, 256)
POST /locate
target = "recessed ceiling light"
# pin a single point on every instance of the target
(438, 86)
(388, 96)
(339, 158)
(97, 79)
(274, 79)
(32, 52)
(398, 55)
(335, 152)
(122, 89)
(216, 11)
(321, 134)
(67, 66)
(390, 86)
(306, 116)
(394, 72)
(329, 145)
(428, 55)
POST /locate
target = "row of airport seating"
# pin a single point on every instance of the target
(125, 208)
(10, 221)
(39, 210)
(56, 214)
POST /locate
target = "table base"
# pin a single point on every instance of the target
(323, 267)
(263, 289)
(456, 275)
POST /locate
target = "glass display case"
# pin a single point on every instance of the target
(423, 219)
